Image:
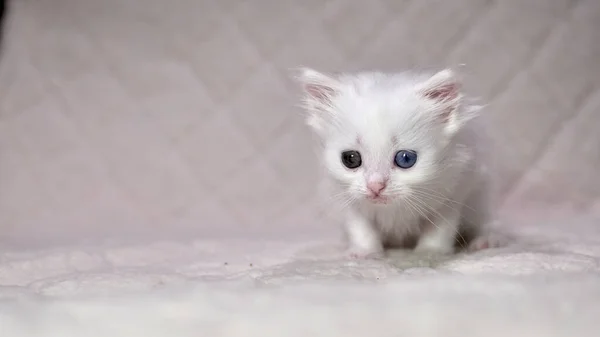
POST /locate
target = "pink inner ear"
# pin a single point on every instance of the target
(443, 92)
(319, 92)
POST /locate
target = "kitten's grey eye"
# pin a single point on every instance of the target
(351, 159)
(405, 159)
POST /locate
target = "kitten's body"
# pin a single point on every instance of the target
(461, 187)
(439, 199)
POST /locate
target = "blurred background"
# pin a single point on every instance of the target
(131, 118)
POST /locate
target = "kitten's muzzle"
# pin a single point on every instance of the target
(376, 187)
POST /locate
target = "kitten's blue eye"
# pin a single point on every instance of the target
(405, 159)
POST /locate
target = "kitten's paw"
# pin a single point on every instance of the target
(487, 241)
(364, 254)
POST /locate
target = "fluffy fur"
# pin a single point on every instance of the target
(442, 199)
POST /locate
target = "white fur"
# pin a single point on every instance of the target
(379, 114)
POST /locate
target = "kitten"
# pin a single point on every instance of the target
(401, 150)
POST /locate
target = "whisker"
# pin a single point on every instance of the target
(410, 207)
(439, 215)
(419, 209)
(342, 198)
(441, 198)
(436, 194)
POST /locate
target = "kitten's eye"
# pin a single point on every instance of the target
(405, 159)
(351, 159)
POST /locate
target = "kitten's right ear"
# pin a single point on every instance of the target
(319, 91)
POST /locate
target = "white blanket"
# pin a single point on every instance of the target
(142, 122)
(546, 283)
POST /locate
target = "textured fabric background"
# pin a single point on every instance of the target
(130, 117)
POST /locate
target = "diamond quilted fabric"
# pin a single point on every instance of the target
(147, 144)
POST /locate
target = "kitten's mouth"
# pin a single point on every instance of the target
(378, 199)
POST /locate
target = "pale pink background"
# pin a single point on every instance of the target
(129, 118)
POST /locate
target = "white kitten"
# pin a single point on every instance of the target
(401, 150)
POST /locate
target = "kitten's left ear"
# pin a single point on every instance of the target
(444, 91)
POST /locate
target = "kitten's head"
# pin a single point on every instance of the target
(385, 136)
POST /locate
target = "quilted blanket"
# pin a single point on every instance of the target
(157, 178)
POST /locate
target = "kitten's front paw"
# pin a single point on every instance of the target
(365, 254)
(487, 241)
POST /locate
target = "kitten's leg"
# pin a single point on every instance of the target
(439, 231)
(363, 238)
(488, 240)
(478, 216)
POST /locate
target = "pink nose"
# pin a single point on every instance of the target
(376, 186)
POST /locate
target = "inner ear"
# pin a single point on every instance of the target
(442, 86)
(318, 87)
(319, 92)
(443, 92)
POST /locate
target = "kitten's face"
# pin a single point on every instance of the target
(384, 137)
(380, 150)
